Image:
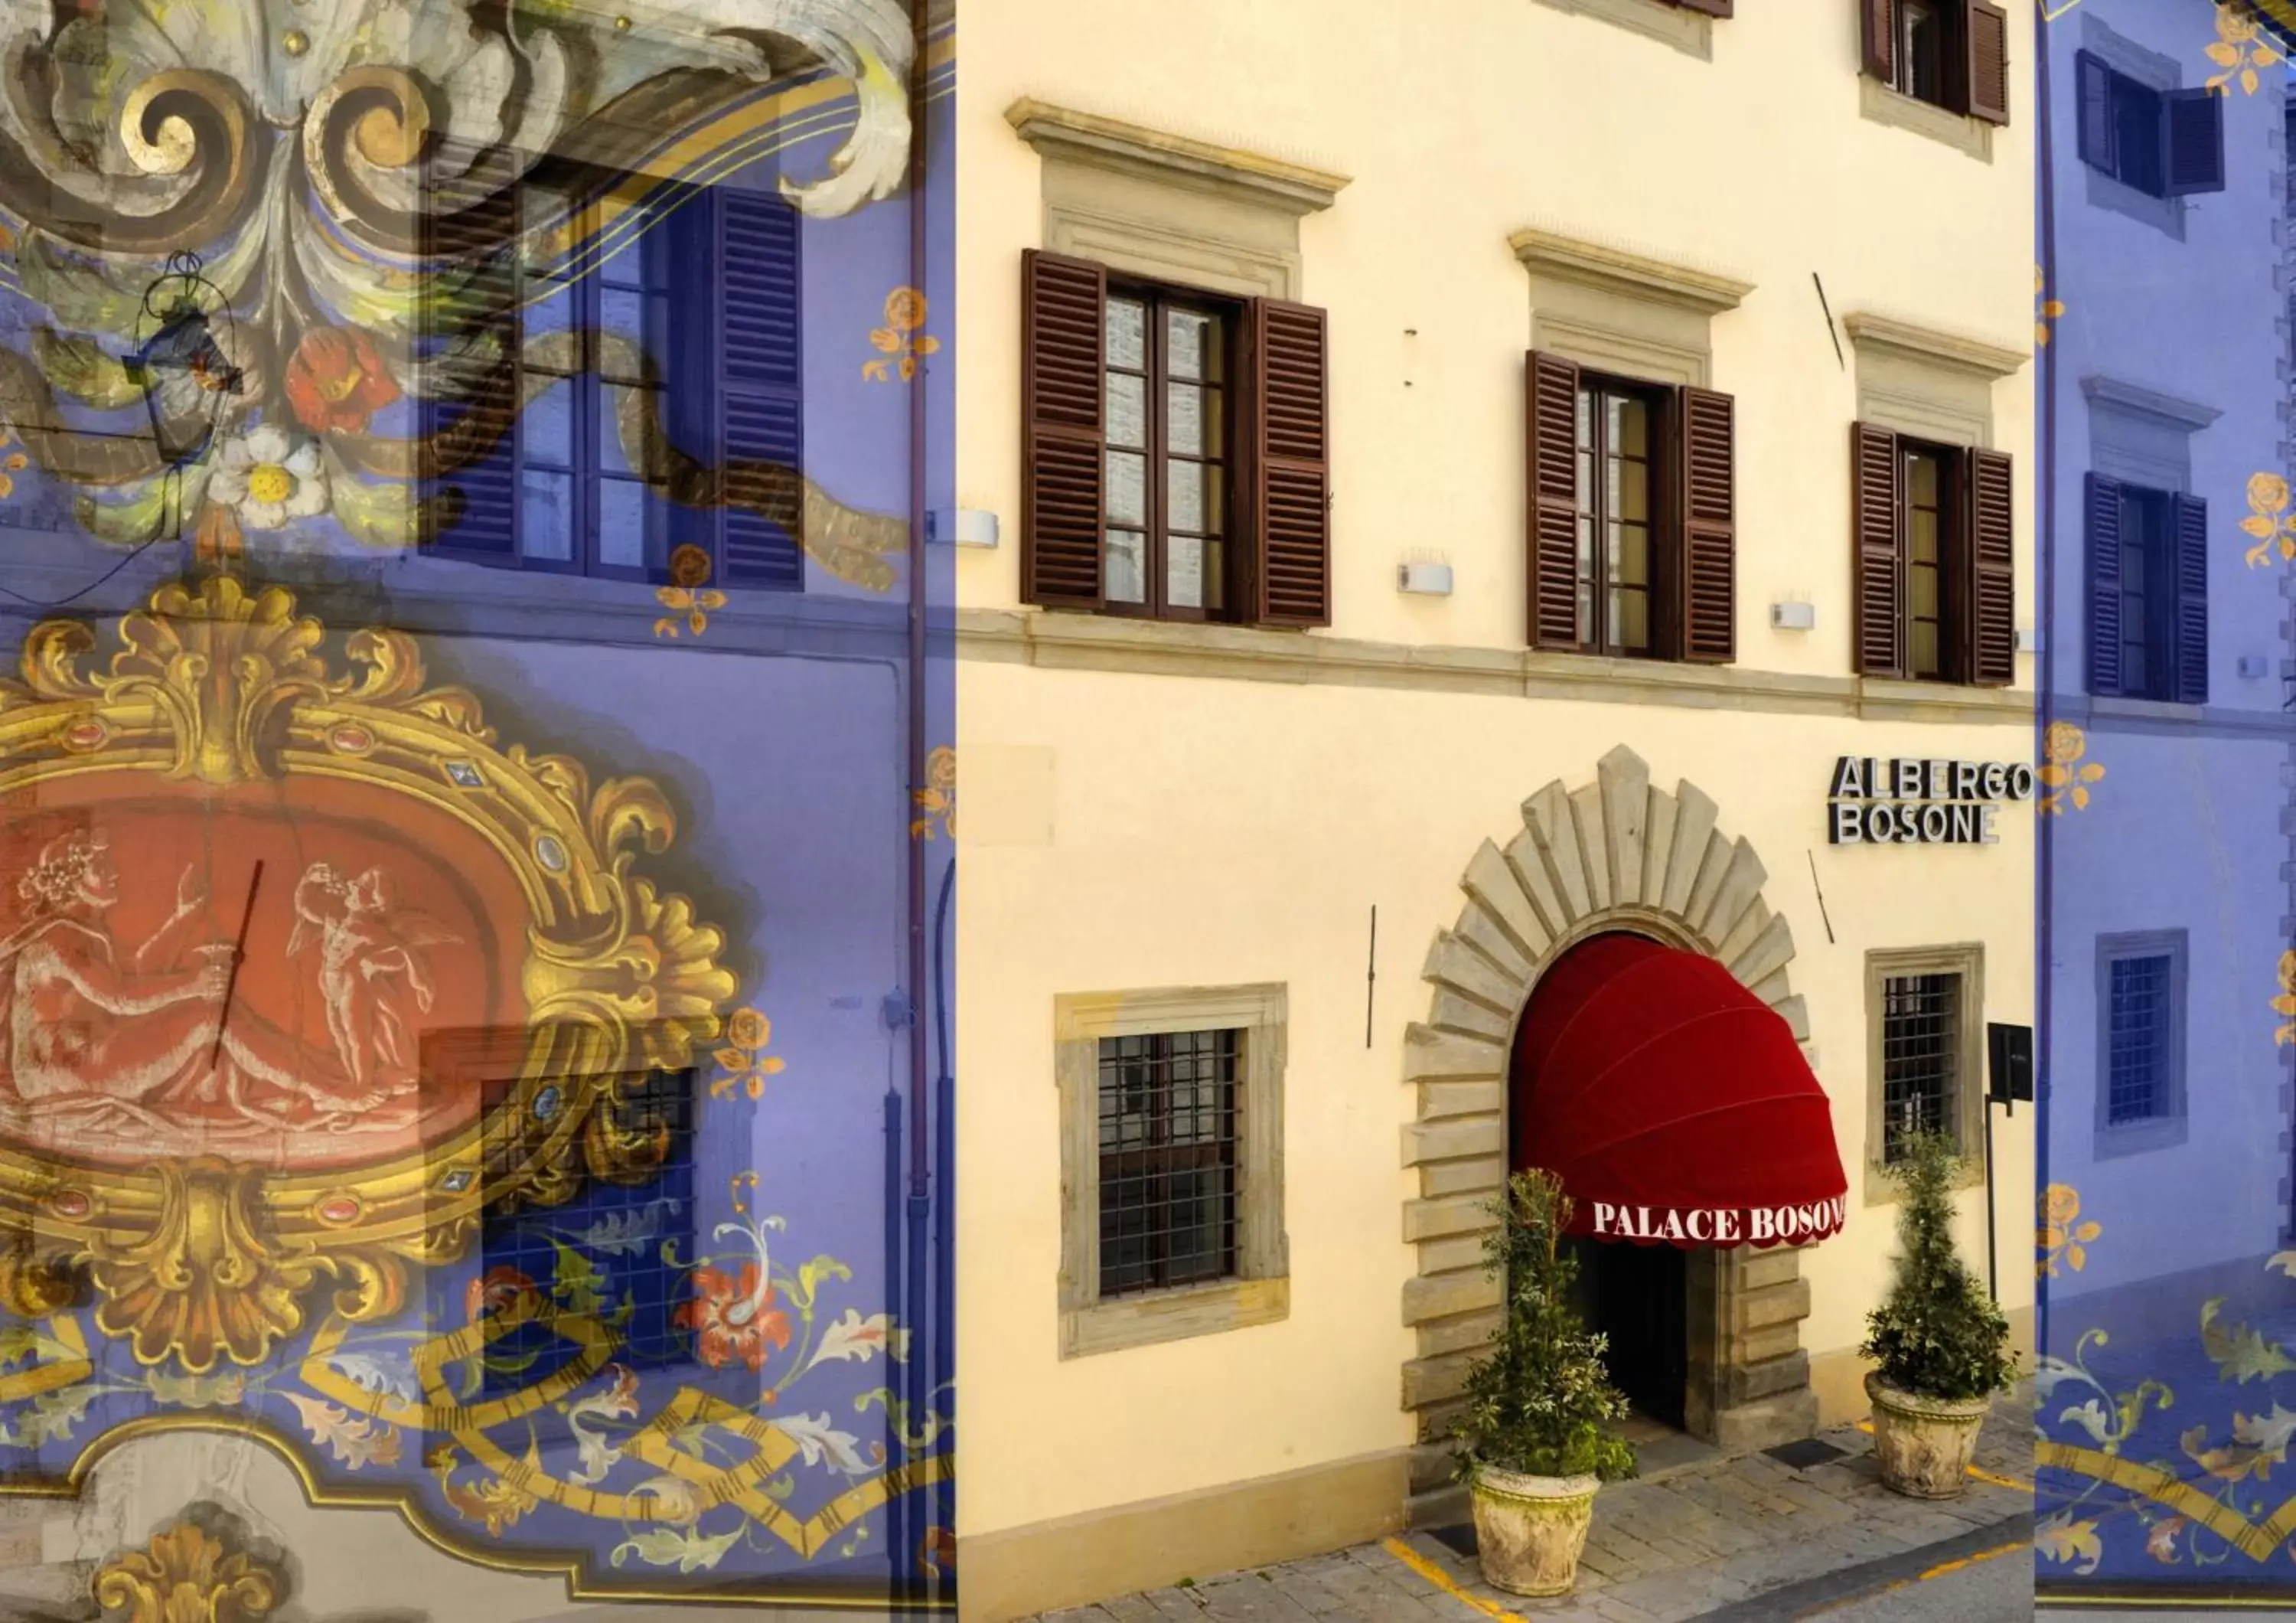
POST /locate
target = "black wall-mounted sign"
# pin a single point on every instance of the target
(2009, 1072)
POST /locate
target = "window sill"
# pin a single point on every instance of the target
(1692, 33)
(1178, 1315)
(1063, 640)
(2137, 1138)
(1972, 137)
(2165, 215)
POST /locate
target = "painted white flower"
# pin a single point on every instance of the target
(270, 478)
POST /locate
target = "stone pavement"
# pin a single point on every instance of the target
(1675, 1544)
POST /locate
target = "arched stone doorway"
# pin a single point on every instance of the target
(1616, 854)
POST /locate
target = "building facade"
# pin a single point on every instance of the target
(1443, 516)
(2165, 917)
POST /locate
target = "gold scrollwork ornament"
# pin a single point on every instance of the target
(186, 1575)
(216, 684)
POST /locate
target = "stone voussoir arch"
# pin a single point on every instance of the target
(1614, 854)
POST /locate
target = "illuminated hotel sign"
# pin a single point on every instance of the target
(1874, 802)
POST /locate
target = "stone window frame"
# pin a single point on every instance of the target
(2143, 436)
(2112, 1140)
(1967, 961)
(1168, 207)
(2155, 72)
(1621, 312)
(1259, 1292)
(1688, 31)
(1926, 382)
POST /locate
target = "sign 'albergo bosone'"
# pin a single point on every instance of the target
(1920, 803)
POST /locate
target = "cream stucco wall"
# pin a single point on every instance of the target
(1129, 829)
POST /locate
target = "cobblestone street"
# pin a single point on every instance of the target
(1704, 1538)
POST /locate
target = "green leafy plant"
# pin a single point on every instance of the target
(1937, 1334)
(1538, 1401)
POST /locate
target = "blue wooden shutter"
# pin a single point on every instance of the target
(2193, 142)
(481, 284)
(762, 417)
(2101, 533)
(2093, 92)
(2189, 527)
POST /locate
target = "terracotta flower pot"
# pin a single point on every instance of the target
(1530, 1529)
(1923, 1444)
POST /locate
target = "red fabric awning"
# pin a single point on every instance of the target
(1673, 1103)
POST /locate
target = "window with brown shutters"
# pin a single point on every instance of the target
(1175, 463)
(1951, 54)
(1933, 548)
(1631, 547)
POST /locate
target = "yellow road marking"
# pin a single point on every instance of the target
(1940, 1570)
(1442, 1580)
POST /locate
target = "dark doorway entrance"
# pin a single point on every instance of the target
(1638, 1297)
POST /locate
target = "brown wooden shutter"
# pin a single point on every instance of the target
(1986, 33)
(1707, 566)
(1550, 387)
(1063, 399)
(1877, 38)
(1290, 463)
(1878, 637)
(1993, 571)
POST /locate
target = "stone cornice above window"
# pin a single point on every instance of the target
(1627, 275)
(1932, 346)
(2136, 400)
(1243, 176)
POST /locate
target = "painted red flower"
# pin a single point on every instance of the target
(502, 1290)
(732, 1318)
(337, 380)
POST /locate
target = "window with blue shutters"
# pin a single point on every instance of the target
(2160, 142)
(2148, 618)
(2140, 1052)
(652, 382)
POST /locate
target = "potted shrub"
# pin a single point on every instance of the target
(1938, 1343)
(1533, 1443)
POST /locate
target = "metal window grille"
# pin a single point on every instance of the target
(2138, 1060)
(611, 1246)
(1921, 1043)
(1168, 1159)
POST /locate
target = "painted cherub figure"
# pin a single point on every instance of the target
(374, 979)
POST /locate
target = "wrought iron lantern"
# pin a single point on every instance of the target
(183, 371)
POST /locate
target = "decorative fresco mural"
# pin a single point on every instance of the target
(458, 838)
(2166, 1381)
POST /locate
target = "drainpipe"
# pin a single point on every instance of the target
(908, 1523)
(2045, 589)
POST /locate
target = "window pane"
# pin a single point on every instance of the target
(1127, 488)
(545, 433)
(549, 306)
(1629, 426)
(1215, 498)
(1921, 1035)
(643, 319)
(1128, 330)
(1923, 582)
(1127, 410)
(1183, 587)
(1633, 555)
(626, 525)
(1634, 491)
(1214, 574)
(1184, 496)
(1187, 335)
(1126, 567)
(1184, 419)
(2138, 1083)
(546, 517)
(1926, 659)
(1630, 618)
(1921, 479)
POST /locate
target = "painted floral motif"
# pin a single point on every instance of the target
(2284, 1004)
(732, 1316)
(337, 381)
(269, 479)
(2238, 50)
(185, 1575)
(689, 574)
(902, 336)
(938, 799)
(2062, 1233)
(2063, 773)
(2268, 519)
(743, 1058)
(2045, 310)
(2062, 1539)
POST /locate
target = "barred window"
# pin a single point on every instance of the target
(2137, 1063)
(1168, 1159)
(1921, 1043)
